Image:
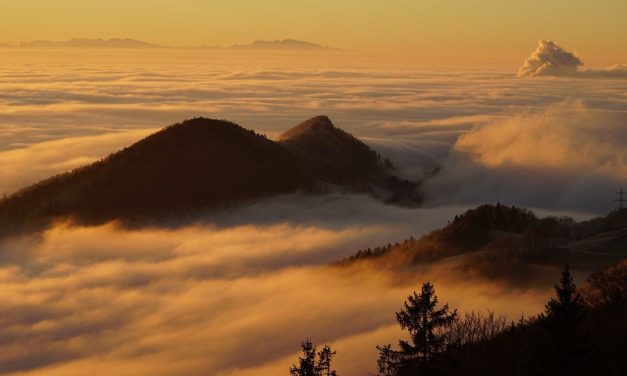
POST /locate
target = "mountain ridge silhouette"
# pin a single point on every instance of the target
(203, 164)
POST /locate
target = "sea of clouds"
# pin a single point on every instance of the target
(56, 116)
(235, 293)
(209, 300)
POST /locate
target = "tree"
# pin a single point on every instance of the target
(565, 347)
(568, 304)
(314, 363)
(387, 364)
(427, 329)
(323, 368)
(306, 364)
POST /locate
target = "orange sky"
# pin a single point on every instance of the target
(484, 29)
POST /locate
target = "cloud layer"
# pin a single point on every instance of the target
(89, 107)
(234, 296)
(235, 301)
(29, 164)
(567, 156)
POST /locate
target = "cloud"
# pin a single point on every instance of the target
(29, 164)
(236, 301)
(549, 59)
(565, 156)
(565, 136)
(615, 71)
(235, 295)
(413, 116)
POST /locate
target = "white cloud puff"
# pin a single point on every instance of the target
(549, 59)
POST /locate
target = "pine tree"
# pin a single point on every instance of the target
(306, 364)
(568, 304)
(387, 364)
(314, 363)
(323, 368)
(423, 320)
(427, 328)
(564, 347)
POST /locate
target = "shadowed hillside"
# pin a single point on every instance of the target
(197, 165)
(335, 156)
(493, 238)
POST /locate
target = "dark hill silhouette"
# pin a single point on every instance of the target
(492, 238)
(335, 156)
(196, 165)
(331, 153)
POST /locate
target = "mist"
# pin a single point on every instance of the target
(234, 300)
(234, 292)
(567, 156)
(413, 115)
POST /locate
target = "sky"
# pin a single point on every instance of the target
(491, 29)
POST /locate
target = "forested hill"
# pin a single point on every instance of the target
(496, 235)
(199, 164)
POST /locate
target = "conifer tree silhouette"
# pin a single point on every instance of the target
(323, 368)
(427, 329)
(306, 363)
(568, 304)
(314, 363)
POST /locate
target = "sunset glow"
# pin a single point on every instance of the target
(214, 188)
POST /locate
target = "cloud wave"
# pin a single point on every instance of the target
(236, 301)
(567, 156)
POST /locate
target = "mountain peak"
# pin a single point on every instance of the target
(318, 124)
(332, 153)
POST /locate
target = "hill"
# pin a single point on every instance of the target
(199, 164)
(335, 156)
(493, 238)
(331, 153)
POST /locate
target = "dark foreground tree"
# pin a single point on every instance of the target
(324, 361)
(427, 326)
(314, 363)
(564, 346)
(567, 306)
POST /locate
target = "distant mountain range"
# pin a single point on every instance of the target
(281, 44)
(90, 43)
(206, 164)
(285, 44)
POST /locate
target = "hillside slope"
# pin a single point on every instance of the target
(191, 165)
(492, 238)
(203, 164)
(335, 156)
